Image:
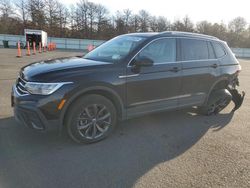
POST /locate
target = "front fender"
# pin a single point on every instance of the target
(79, 92)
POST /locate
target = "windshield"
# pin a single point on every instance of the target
(115, 49)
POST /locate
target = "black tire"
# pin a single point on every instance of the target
(217, 101)
(90, 115)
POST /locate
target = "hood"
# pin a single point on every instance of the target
(33, 71)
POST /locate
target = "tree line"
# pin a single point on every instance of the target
(86, 19)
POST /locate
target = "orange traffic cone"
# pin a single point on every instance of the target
(34, 48)
(49, 47)
(28, 49)
(19, 52)
(40, 47)
(90, 47)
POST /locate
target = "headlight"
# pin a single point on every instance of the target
(43, 88)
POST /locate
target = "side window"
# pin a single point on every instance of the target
(211, 54)
(219, 51)
(193, 49)
(160, 51)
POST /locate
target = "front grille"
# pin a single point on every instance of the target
(20, 86)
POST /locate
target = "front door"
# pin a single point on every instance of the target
(156, 87)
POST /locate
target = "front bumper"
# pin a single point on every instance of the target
(34, 119)
(36, 112)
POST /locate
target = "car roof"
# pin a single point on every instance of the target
(146, 34)
(174, 34)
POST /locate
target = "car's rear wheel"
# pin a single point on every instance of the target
(91, 119)
(217, 101)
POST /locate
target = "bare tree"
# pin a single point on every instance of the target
(90, 20)
(23, 12)
(127, 15)
(63, 15)
(236, 34)
(52, 15)
(102, 20)
(82, 17)
(37, 13)
(177, 26)
(72, 10)
(204, 27)
(153, 24)
(8, 20)
(163, 24)
(92, 14)
(119, 23)
(188, 24)
(237, 25)
(219, 30)
(183, 25)
(135, 23)
(6, 9)
(144, 18)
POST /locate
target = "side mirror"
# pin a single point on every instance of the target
(143, 62)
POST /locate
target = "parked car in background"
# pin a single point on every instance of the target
(128, 76)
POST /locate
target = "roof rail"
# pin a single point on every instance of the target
(188, 34)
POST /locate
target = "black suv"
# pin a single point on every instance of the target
(128, 76)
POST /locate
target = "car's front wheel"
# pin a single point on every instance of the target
(91, 118)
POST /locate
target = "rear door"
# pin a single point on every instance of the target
(199, 70)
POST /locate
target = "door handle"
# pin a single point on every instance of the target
(214, 66)
(175, 69)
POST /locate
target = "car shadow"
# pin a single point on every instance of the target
(30, 159)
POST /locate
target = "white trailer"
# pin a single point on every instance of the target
(32, 35)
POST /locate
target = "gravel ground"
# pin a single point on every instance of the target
(170, 149)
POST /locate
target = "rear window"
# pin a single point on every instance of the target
(193, 49)
(219, 50)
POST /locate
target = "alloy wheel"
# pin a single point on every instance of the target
(94, 121)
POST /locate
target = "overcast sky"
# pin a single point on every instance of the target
(197, 10)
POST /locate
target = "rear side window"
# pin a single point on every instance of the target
(160, 51)
(219, 50)
(192, 49)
